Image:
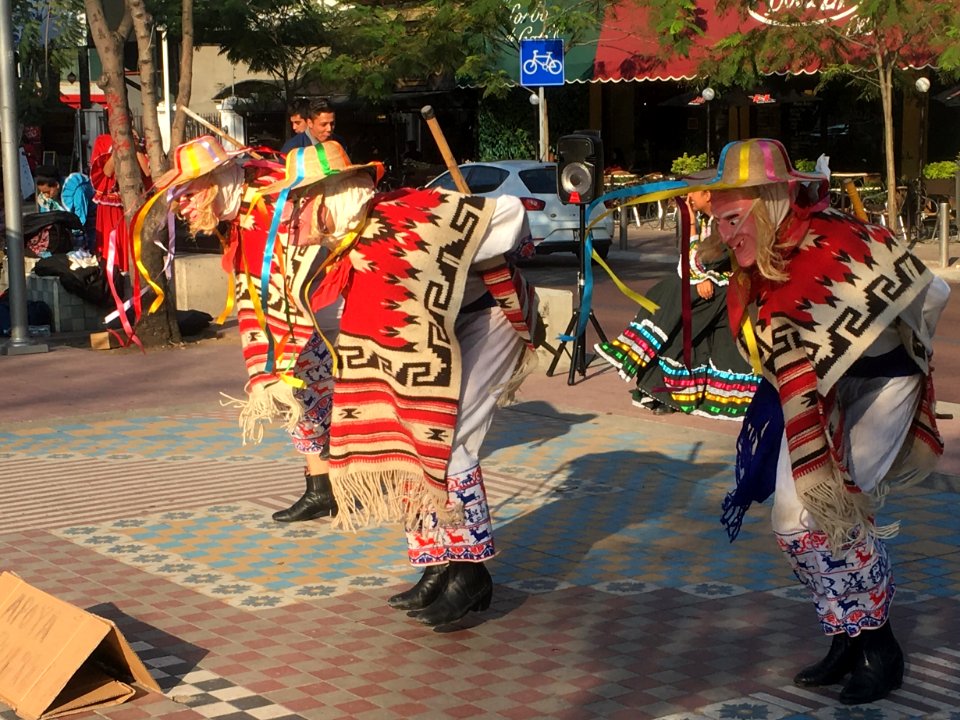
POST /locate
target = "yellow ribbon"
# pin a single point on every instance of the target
(641, 300)
(136, 231)
(750, 338)
(746, 324)
(229, 302)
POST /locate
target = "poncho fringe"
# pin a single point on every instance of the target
(265, 403)
(809, 346)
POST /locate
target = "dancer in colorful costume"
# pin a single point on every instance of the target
(841, 316)
(717, 382)
(435, 332)
(288, 362)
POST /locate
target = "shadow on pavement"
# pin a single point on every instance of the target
(166, 648)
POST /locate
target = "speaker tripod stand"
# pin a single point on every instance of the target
(578, 353)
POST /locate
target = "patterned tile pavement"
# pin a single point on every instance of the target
(617, 594)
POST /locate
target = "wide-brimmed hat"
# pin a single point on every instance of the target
(195, 159)
(700, 176)
(749, 163)
(316, 163)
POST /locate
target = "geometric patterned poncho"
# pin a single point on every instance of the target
(272, 334)
(396, 393)
(848, 281)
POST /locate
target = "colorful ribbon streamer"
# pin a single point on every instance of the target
(647, 192)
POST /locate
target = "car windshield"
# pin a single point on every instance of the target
(540, 181)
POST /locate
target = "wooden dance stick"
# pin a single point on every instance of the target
(218, 131)
(856, 204)
(427, 112)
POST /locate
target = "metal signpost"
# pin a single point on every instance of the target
(541, 65)
(20, 342)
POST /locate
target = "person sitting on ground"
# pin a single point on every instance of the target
(77, 197)
(74, 195)
(650, 351)
(46, 179)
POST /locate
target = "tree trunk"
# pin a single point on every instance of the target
(184, 87)
(161, 327)
(885, 73)
(143, 28)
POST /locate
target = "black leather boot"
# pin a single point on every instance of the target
(469, 587)
(428, 588)
(317, 501)
(878, 667)
(833, 668)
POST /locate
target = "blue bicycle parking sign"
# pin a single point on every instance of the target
(541, 62)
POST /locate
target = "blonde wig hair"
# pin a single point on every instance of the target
(214, 197)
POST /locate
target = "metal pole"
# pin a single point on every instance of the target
(624, 221)
(19, 343)
(167, 100)
(544, 129)
(956, 201)
(709, 161)
(944, 216)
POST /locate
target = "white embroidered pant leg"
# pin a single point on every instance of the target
(490, 350)
(314, 368)
(852, 589)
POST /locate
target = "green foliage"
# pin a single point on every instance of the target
(805, 165)
(686, 164)
(375, 50)
(284, 38)
(942, 170)
(49, 35)
(371, 49)
(508, 128)
(882, 33)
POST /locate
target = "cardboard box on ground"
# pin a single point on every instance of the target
(56, 659)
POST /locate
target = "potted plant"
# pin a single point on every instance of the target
(687, 164)
(940, 178)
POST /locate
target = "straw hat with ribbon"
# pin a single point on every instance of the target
(191, 160)
(756, 163)
(310, 167)
(194, 159)
(317, 163)
(750, 163)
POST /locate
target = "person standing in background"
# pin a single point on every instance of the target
(316, 120)
(299, 112)
(106, 197)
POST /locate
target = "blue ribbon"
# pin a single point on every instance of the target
(268, 256)
(631, 192)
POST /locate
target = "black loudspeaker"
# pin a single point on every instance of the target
(580, 167)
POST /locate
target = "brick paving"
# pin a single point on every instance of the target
(616, 592)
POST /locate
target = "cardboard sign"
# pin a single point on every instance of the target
(56, 659)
